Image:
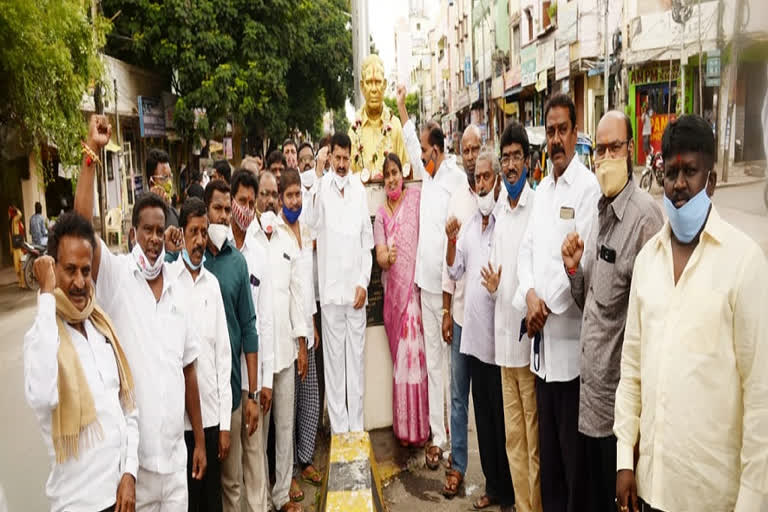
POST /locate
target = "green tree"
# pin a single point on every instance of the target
(411, 105)
(273, 66)
(48, 59)
(340, 121)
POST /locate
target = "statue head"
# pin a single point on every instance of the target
(373, 83)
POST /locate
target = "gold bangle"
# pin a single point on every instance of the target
(446, 311)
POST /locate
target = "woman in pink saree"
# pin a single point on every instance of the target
(396, 235)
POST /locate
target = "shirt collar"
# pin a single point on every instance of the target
(619, 203)
(569, 176)
(386, 116)
(168, 276)
(713, 230)
(182, 269)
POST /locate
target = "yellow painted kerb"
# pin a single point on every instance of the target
(347, 501)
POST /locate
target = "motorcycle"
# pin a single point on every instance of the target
(654, 169)
(31, 253)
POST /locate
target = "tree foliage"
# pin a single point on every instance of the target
(273, 65)
(411, 105)
(48, 59)
(340, 121)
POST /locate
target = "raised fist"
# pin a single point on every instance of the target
(401, 93)
(45, 273)
(572, 250)
(99, 132)
(452, 227)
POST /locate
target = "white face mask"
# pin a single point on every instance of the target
(268, 221)
(218, 234)
(488, 201)
(341, 181)
(149, 271)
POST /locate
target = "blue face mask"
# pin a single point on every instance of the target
(687, 221)
(185, 256)
(291, 215)
(515, 190)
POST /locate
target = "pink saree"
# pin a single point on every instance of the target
(402, 320)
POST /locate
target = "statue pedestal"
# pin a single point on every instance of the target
(377, 396)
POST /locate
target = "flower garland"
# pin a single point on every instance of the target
(383, 147)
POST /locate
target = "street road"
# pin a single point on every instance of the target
(24, 466)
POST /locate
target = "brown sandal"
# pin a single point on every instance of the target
(482, 502)
(453, 482)
(295, 494)
(432, 456)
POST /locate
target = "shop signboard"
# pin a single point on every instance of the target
(463, 99)
(562, 62)
(713, 69)
(512, 77)
(151, 117)
(528, 60)
(545, 55)
(567, 23)
(541, 81)
(474, 92)
(653, 74)
(497, 87)
(467, 71)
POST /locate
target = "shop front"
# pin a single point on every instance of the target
(655, 87)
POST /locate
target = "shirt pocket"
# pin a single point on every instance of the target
(704, 311)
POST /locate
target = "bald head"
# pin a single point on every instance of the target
(470, 148)
(614, 138)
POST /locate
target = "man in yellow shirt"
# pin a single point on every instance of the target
(694, 386)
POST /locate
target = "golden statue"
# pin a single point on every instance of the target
(375, 131)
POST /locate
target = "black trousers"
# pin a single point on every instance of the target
(491, 437)
(205, 494)
(561, 447)
(644, 507)
(601, 471)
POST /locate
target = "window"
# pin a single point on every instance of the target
(529, 20)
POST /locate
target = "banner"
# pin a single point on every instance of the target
(151, 117)
(528, 65)
(563, 62)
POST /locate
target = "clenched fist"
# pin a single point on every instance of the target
(99, 132)
(401, 94)
(572, 250)
(45, 273)
(452, 227)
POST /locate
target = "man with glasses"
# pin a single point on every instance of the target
(600, 273)
(160, 182)
(693, 382)
(339, 216)
(566, 201)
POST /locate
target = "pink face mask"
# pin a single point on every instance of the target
(394, 194)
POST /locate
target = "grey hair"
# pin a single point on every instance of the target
(488, 156)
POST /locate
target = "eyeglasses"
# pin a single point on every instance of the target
(514, 158)
(306, 159)
(613, 147)
(159, 179)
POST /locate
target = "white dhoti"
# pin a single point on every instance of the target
(282, 408)
(343, 349)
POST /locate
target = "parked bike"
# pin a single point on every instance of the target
(31, 253)
(654, 169)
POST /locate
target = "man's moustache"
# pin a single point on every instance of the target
(78, 292)
(557, 149)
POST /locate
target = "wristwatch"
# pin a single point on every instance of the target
(253, 396)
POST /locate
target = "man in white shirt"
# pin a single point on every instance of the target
(469, 251)
(214, 364)
(85, 476)
(462, 205)
(566, 201)
(513, 348)
(693, 383)
(647, 128)
(150, 313)
(307, 402)
(254, 463)
(440, 177)
(341, 220)
(290, 342)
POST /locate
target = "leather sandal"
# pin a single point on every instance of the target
(432, 456)
(453, 482)
(312, 476)
(295, 493)
(483, 501)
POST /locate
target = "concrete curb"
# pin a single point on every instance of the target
(740, 182)
(352, 481)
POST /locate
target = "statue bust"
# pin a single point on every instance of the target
(375, 131)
